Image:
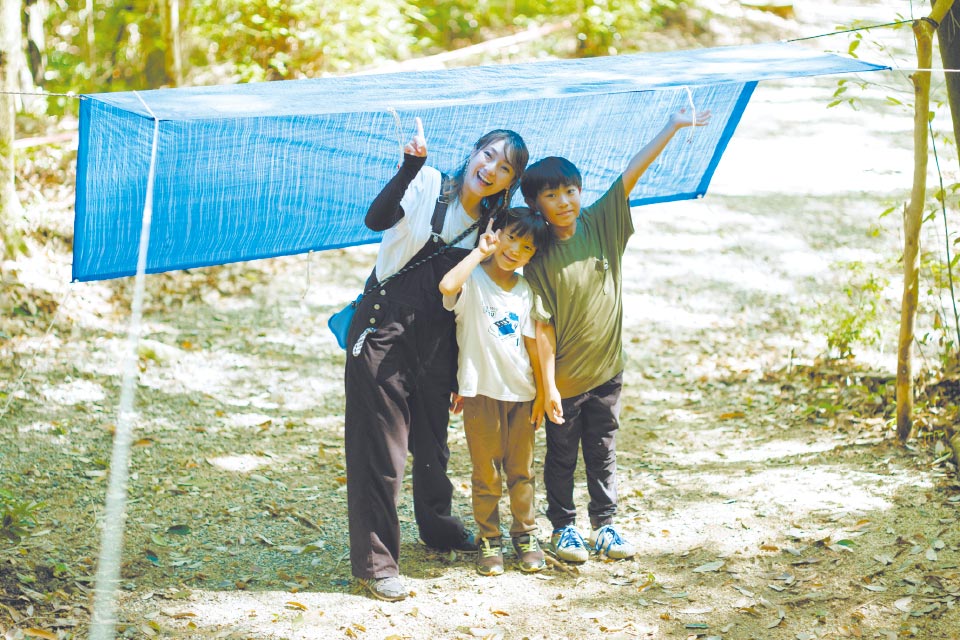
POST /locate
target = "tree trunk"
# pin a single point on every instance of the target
(10, 53)
(913, 217)
(171, 42)
(36, 40)
(34, 61)
(90, 50)
(949, 36)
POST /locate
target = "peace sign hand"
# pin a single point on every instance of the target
(418, 145)
(489, 240)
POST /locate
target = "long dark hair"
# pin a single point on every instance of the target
(515, 150)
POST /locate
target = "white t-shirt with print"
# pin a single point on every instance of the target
(491, 324)
(402, 241)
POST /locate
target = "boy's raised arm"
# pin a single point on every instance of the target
(453, 280)
(645, 157)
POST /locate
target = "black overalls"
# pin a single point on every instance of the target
(400, 371)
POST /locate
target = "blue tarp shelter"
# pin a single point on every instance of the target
(261, 170)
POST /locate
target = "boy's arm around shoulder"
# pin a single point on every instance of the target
(645, 157)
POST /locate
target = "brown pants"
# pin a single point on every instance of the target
(500, 439)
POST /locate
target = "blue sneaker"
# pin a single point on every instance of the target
(567, 544)
(468, 542)
(608, 541)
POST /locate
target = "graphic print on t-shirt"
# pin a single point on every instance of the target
(503, 325)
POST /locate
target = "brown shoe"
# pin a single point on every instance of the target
(529, 554)
(490, 557)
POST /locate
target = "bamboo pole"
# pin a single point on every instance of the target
(923, 30)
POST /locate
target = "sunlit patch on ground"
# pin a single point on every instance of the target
(247, 420)
(40, 427)
(75, 392)
(241, 463)
(736, 450)
(653, 310)
(739, 508)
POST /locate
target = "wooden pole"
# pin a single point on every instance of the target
(913, 215)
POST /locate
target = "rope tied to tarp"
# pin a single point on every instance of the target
(851, 30)
(104, 619)
(399, 129)
(693, 115)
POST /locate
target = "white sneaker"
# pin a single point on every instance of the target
(567, 544)
(608, 541)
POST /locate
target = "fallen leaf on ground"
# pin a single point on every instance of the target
(730, 415)
(776, 623)
(710, 566)
(903, 604)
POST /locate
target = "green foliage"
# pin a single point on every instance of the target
(602, 27)
(273, 39)
(937, 309)
(854, 320)
(119, 47)
(840, 96)
(16, 516)
(940, 303)
(122, 45)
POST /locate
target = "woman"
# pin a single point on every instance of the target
(401, 352)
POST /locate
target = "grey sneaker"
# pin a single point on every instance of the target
(608, 541)
(490, 557)
(529, 554)
(390, 588)
(567, 544)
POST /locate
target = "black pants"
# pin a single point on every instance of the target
(591, 420)
(398, 384)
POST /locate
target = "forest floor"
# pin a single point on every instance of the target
(762, 483)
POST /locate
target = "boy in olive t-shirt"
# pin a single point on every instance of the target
(578, 281)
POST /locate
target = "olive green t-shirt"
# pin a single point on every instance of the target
(578, 281)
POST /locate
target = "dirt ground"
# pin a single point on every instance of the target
(762, 484)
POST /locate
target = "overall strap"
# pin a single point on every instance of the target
(439, 211)
(436, 224)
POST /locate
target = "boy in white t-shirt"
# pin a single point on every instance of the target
(500, 380)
